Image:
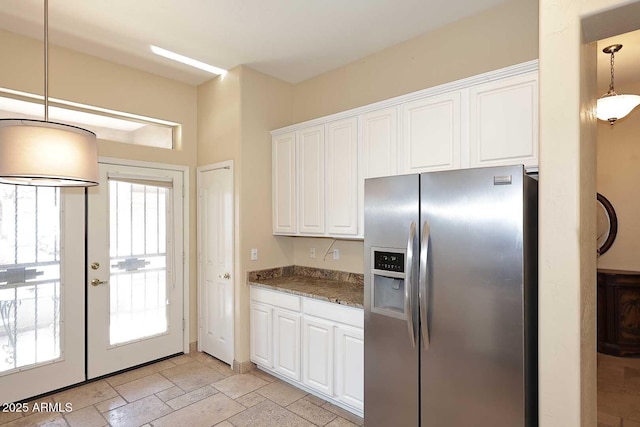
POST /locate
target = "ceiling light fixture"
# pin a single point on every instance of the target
(611, 106)
(186, 60)
(44, 153)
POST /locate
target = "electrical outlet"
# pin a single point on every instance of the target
(312, 252)
(336, 254)
(254, 254)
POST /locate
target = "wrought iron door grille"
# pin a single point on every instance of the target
(138, 260)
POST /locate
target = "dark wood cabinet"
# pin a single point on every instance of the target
(619, 312)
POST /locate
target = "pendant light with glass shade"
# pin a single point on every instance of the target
(611, 106)
(44, 153)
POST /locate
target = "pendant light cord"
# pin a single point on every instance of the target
(611, 84)
(46, 60)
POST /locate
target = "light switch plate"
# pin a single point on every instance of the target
(312, 252)
(254, 254)
(336, 254)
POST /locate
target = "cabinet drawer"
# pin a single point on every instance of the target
(334, 312)
(278, 299)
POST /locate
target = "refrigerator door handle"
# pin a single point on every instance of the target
(422, 290)
(408, 284)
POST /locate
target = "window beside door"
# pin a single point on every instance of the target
(30, 284)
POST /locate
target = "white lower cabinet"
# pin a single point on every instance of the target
(261, 334)
(349, 359)
(316, 345)
(286, 340)
(317, 353)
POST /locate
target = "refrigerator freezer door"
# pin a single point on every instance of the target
(472, 373)
(391, 359)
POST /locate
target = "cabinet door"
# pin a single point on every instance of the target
(349, 366)
(380, 143)
(261, 335)
(342, 177)
(378, 150)
(431, 130)
(317, 353)
(286, 339)
(310, 147)
(283, 152)
(503, 119)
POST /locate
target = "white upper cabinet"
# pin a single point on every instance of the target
(319, 167)
(431, 134)
(341, 207)
(380, 143)
(311, 149)
(284, 183)
(503, 117)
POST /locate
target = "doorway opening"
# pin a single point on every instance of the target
(618, 267)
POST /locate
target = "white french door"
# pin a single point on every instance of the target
(41, 290)
(135, 267)
(215, 260)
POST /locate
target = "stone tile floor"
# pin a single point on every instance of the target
(189, 390)
(618, 391)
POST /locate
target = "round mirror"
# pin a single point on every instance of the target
(606, 224)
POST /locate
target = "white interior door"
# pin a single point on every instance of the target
(215, 243)
(135, 268)
(41, 290)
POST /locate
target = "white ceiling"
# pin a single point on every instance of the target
(292, 40)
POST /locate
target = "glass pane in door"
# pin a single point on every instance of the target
(138, 261)
(30, 283)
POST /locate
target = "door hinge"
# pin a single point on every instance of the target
(183, 324)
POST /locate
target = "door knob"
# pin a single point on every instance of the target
(226, 276)
(96, 282)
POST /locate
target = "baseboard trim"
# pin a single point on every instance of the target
(243, 367)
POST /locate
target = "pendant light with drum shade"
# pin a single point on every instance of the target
(611, 106)
(44, 153)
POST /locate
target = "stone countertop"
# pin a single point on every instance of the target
(326, 285)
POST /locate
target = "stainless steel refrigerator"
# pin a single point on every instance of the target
(451, 299)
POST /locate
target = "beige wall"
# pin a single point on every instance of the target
(617, 179)
(219, 134)
(265, 105)
(496, 38)
(567, 383)
(471, 46)
(235, 114)
(77, 77)
(219, 119)
(351, 254)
